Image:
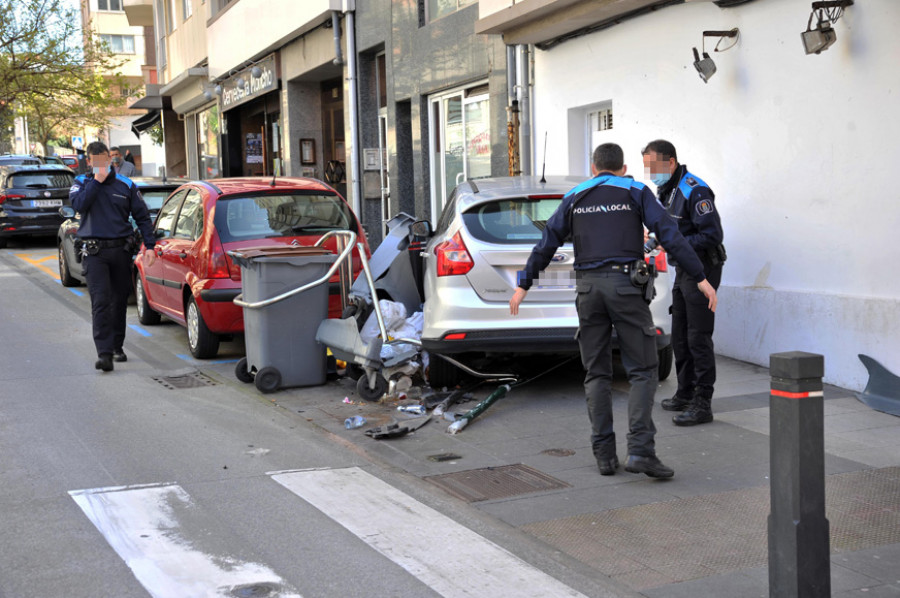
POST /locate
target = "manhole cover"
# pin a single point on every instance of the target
(495, 482)
(192, 380)
(558, 452)
(444, 457)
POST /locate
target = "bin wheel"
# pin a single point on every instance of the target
(371, 394)
(268, 380)
(241, 372)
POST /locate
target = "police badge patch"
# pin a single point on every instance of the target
(74, 188)
(705, 207)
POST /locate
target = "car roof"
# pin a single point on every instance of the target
(14, 168)
(479, 191)
(236, 185)
(147, 181)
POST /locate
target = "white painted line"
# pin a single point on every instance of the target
(142, 524)
(451, 559)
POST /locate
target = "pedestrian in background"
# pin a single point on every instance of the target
(128, 156)
(123, 167)
(605, 217)
(106, 200)
(691, 203)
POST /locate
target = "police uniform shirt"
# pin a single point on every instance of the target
(611, 211)
(105, 208)
(690, 201)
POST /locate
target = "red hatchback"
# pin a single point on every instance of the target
(194, 281)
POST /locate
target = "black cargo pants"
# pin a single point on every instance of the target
(108, 276)
(607, 300)
(692, 330)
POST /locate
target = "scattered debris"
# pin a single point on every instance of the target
(396, 429)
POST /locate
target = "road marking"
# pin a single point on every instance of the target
(143, 524)
(451, 559)
(38, 262)
(140, 330)
(77, 292)
(205, 361)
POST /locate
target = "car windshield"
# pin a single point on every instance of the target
(41, 180)
(282, 215)
(510, 221)
(154, 199)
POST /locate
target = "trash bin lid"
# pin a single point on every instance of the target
(283, 251)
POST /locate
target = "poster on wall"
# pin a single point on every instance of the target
(254, 148)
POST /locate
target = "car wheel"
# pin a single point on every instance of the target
(203, 343)
(665, 362)
(146, 315)
(268, 380)
(442, 373)
(241, 372)
(371, 394)
(65, 277)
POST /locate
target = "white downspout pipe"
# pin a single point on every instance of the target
(355, 181)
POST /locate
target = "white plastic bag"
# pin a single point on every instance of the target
(394, 315)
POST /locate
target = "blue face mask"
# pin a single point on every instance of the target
(660, 178)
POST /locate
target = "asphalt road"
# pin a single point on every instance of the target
(122, 485)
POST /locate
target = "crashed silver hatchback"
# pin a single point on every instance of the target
(472, 261)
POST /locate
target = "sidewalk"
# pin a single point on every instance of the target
(527, 461)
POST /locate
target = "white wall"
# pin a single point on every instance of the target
(801, 151)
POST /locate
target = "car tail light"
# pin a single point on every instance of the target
(4, 197)
(659, 261)
(453, 258)
(455, 336)
(217, 264)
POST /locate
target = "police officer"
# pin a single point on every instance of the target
(691, 203)
(605, 218)
(105, 201)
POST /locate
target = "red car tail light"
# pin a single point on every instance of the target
(217, 264)
(660, 262)
(4, 197)
(455, 336)
(453, 258)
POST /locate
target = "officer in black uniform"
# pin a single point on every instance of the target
(691, 203)
(105, 201)
(605, 218)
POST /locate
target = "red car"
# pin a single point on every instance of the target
(193, 280)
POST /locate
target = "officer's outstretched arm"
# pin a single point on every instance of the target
(710, 293)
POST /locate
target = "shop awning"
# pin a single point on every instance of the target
(152, 99)
(145, 122)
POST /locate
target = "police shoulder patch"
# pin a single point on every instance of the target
(705, 207)
(691, 181)
(74, 188)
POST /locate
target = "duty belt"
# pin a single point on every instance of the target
(623, 268)
(107, 243)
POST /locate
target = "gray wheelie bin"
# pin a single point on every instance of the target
(280, 326)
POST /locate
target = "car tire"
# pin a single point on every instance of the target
(268, 380)
(202, 343)
(442, 373)
(241, 372)
(666, 355)
(65, 276)
(371, 394)
(146, 315)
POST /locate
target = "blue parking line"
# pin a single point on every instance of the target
(139, 330)
(76, 292)
(192, 360)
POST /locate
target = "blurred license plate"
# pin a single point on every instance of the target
(46, 203)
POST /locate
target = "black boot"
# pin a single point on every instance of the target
(676, 403)
(698, 412)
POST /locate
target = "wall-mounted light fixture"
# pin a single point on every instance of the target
(826, 12)
(705, 66)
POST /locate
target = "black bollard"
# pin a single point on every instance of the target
(799, 556)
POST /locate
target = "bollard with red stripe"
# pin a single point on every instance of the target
(799, 556)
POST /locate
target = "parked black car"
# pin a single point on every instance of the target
(30, 199)
(19, 160)
(153, 190)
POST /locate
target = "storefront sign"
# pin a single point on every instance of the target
(253, 86)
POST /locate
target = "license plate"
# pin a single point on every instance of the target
(46, 203)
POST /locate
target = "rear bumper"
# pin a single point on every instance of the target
(38, 225)
(519, 340)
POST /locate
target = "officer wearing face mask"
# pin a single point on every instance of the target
(691, 203)
(123, 167)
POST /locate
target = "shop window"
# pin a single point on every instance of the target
(208, 142)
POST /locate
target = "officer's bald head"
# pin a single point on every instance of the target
(608, 157)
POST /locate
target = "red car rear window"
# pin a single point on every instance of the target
(281, 215)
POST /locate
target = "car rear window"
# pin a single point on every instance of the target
(281, 215)
(510, 221)
(41, 180)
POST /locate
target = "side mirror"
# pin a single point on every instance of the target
(421, 228)
(67, 212)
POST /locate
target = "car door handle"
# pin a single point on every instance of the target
(159, 251)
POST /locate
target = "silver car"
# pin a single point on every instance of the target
(472, 262)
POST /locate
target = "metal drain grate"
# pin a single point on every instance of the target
(651, 545)
(495, 482)
(192, 380)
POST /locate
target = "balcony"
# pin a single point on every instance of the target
(541, 22)
(139, 12)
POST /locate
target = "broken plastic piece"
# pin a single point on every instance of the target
(882, 392)
(396, 429)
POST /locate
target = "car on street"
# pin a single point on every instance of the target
(70, 160)
(51, 160)
(193, 280)
(19, 160)
(472, 261)
(69, 246)
(30, 199)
